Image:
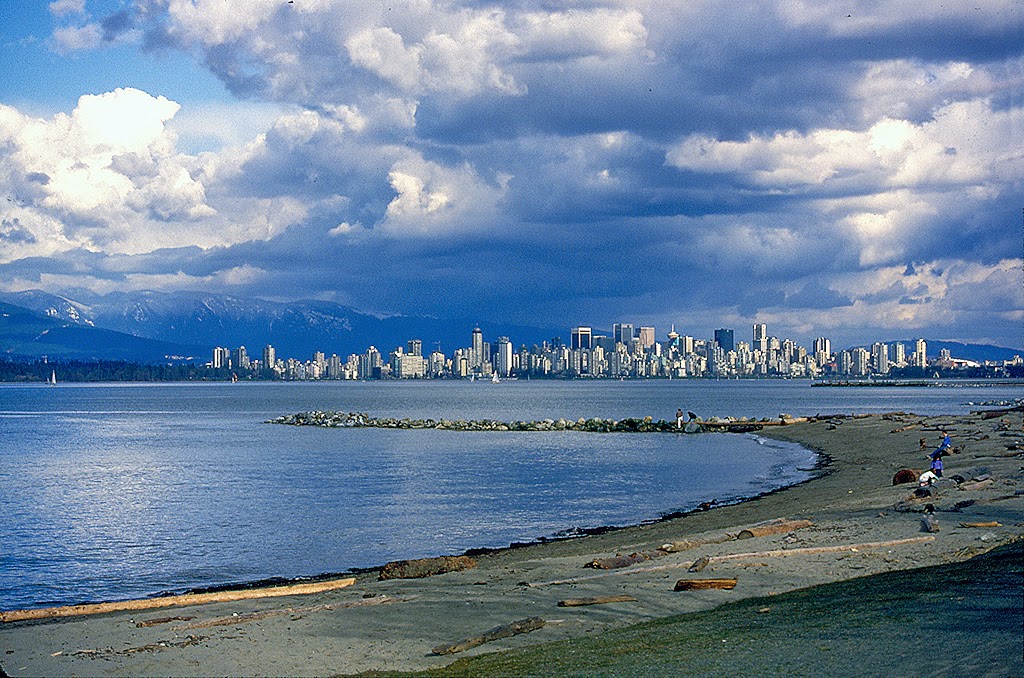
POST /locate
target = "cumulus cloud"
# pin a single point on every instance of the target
(108, 177)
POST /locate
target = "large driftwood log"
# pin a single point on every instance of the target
(182, 600)
(596, 600)
(498, 632)
(702, 584)
(426, 567)
(773, 528)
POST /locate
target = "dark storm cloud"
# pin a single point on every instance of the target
(539, 163)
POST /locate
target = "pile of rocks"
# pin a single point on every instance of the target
(592, 425)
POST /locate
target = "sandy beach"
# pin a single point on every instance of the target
(860, 524)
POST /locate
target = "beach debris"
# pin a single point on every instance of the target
(972, 473)
(294, 612)
(989, 523)
(904, 476)
(700, 564)
(497, 633)
(181, 600)
(160, 646)
(619, 560)
(988, 536)
(426, 567)
(776, 526)
(160, 620)
(596, 600)
(704, 584)
(809, 550)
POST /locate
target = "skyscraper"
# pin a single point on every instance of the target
(760, 338)
(503, 357)
(921, 354)
(476, 349)
(646, 336)
(581, 338)
(725, 339)
(622, 333)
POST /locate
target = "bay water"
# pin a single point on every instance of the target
(114, 491)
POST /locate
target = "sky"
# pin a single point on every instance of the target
(852, 169)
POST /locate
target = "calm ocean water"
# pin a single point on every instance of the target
(114, 491)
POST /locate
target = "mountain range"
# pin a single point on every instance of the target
(152, 326)
(146, 326)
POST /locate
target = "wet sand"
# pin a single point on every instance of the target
(394, 624)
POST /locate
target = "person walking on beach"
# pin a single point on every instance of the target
(937, 465)
(679, 418)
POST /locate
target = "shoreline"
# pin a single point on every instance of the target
(819, 467)
(849, 500)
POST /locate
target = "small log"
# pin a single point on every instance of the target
(498, 632)
(426, 567)
(929, 523)
(773, 528)
(702, 584)
(700, 564)
(182, 600)
(990, 523)
(595, 600)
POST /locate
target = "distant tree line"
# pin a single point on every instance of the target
(106, 370)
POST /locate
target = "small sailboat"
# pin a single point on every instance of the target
(52, 381)
(494, 378)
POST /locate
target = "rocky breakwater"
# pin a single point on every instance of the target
(592, 425)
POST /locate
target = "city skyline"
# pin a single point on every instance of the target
(624, 353)
(850, 172)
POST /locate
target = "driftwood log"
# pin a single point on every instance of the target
(773, 528)
(687, 544)
(700, 564)
(595, 600)
(182, 600)
(498, 632)
(426, 567)
(989, 523)
(703, 584)
(619, 560)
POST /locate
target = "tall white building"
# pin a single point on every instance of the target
(880, 357)
(503, 357)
